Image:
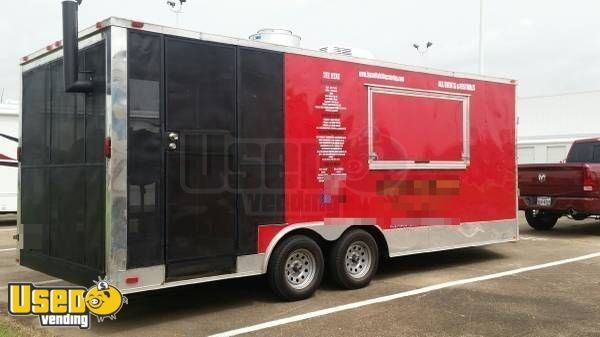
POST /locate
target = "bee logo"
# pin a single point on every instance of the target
(104, 300)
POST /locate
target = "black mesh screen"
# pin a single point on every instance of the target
(35, 196)
(260, 123)
(226, 104)
(67, 214)
(63, 168)
(144, 169)
(200, 78)
(36, 116)
(200, 184)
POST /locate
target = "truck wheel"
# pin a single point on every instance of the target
(354, 259)
(296, 268)
(541, 220)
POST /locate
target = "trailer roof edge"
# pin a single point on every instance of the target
(149, 27)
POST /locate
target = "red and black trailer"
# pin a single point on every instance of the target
(160, 157)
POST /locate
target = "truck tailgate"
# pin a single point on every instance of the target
(553, 180)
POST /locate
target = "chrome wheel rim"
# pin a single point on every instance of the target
(300, 268)
(358, 259)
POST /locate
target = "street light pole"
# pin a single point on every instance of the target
(176, 9)
(423, 51)
(481, 41)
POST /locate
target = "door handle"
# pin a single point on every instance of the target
(173, 139)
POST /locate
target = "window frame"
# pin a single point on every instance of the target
(375, 164)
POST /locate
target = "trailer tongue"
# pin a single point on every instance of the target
(159, 157)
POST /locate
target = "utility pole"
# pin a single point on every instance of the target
(481, 40)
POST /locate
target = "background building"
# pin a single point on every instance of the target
(548, 125)
(9, 131)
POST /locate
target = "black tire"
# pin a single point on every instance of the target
(541, 220)
(354, 259)
(286, 279)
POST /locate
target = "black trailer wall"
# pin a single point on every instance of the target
(63, 171)
(252, 161)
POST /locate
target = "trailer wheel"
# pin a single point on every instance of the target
(296, 268)
(541, 220)
(354, 259)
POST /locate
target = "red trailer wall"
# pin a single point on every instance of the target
(320, 149)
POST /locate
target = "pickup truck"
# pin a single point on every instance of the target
(550, 191)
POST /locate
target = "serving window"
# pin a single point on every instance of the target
(415, 129)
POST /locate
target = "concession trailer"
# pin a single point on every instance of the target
(160, 157)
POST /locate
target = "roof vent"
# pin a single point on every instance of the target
(355, 52)
(282, 37)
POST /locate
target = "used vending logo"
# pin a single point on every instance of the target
(65, 306)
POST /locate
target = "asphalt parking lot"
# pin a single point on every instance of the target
(545, 285)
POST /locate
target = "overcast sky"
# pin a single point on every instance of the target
(549, 46)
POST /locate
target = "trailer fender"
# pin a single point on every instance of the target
(329, 230)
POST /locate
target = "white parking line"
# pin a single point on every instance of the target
(7, 250)
(532, 238)
(396, 296)
(36, 283)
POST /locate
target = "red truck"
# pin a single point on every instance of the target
(550, 191)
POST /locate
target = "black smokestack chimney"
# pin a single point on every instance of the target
(71, 49)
